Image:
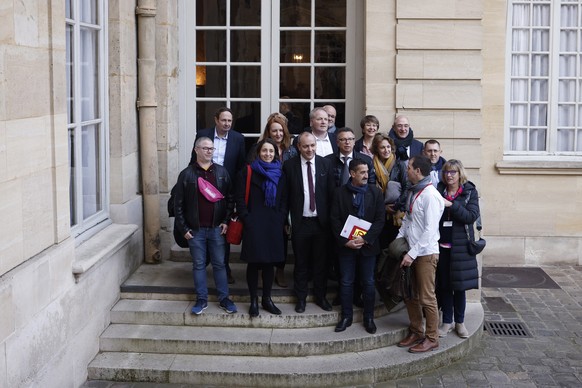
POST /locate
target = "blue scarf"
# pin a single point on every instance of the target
(271, 171)
(358, 200)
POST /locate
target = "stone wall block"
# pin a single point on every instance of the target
(3, 155)
(3, 372)
(6, 22)
(439, 35)
(28, 146)
(7, 318)
(441, 9)
(38, 211)
(439, 64)
(60, 266)
(27, 66)
(551, 250)
(27, 21)
(62, 210)
(11, 227)
(31, 291)
(438, 95)
(502, 251)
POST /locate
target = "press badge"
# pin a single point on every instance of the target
(448, 224)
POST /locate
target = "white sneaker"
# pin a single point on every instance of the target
(445, 329)
(461, 330)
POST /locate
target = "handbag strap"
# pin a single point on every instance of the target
(248, 186)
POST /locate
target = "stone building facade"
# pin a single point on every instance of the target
(445, 64)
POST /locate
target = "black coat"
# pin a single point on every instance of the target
(234, 155)
(374, 213)
(324, 187)
(462, 272)
(337, 166)
(263, 232)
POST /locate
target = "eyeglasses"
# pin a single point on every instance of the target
(347, 139)
(207, 149)
(450, 172)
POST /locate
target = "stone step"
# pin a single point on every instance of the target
(251, 341)
(178, 313)
(365, 361)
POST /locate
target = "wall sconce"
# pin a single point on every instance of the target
(297, 58)
(200, 75)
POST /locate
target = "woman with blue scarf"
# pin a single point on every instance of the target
(263, 216)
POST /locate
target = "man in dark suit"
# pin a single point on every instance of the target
(406, 145)
(319, 123)
(310, 185)
(358, 249)
(341, 160)
(229, 152)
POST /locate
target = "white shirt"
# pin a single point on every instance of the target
(306, 211)
(324, 147)
(420, 226)
(219, 148)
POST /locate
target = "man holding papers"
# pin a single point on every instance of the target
(357, 218)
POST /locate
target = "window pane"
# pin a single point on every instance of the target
(540, 40)
(90, 141)
(540, 65)
(295, 47)
(520, 15)
(245, 13)
(568, 40)
(69, 72)
(330, 82)
(89, 74)
(295, 13)
(566, 114)
(538, 115)
(518, 139)
(519, 90)
(567, 65)
(539, 90)
(297, 114)
(73, 177)
(330, 13)
(205, 111)
(214, 88)
(340, 118)
(88, 11)
(520, 41)
(211, 46)
(565, 140)
(295, 82)
(567, 91)
(211, 12)
(68, 9)
(245, 46)
(520, 65)
(330, 47)
(579, 140)
(245, 81)
(537, 140)
(541, 15)
(247, 117)
(569, 16)
(518, 115)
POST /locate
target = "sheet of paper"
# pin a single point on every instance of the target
(354, 227)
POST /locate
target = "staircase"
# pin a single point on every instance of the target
(153, 337)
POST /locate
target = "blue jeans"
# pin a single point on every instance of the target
(208, 241)
(365, 264)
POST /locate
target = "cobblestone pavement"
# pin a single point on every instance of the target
(552, 357)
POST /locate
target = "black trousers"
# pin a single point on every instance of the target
(310, 245)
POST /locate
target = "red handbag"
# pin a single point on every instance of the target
(235, 226)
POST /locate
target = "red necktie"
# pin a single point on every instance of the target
(311, 188)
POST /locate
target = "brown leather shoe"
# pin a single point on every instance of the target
(424, 346)
(410, 340)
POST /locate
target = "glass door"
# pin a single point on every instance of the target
(261, 56)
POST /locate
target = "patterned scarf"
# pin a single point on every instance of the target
(358, 200)
(383, 170)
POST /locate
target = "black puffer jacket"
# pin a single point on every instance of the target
(464, 273)
(186, 200)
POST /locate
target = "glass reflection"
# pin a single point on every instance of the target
(295, 13)
(245, 46)
(90, 142)
(330, 13)
(247, 116)
(294, 82)
(245, 81)
(205, 111)
(211, 12)
(330, 82)
(330, 47)
(245, 13)
(217, 86)
(210, 46)
(295, 47)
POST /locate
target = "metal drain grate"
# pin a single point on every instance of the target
(507, 329)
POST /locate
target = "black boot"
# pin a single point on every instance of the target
(254, 307)
(270, 306)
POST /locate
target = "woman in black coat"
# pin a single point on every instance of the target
(264, 218)
(456, 269)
